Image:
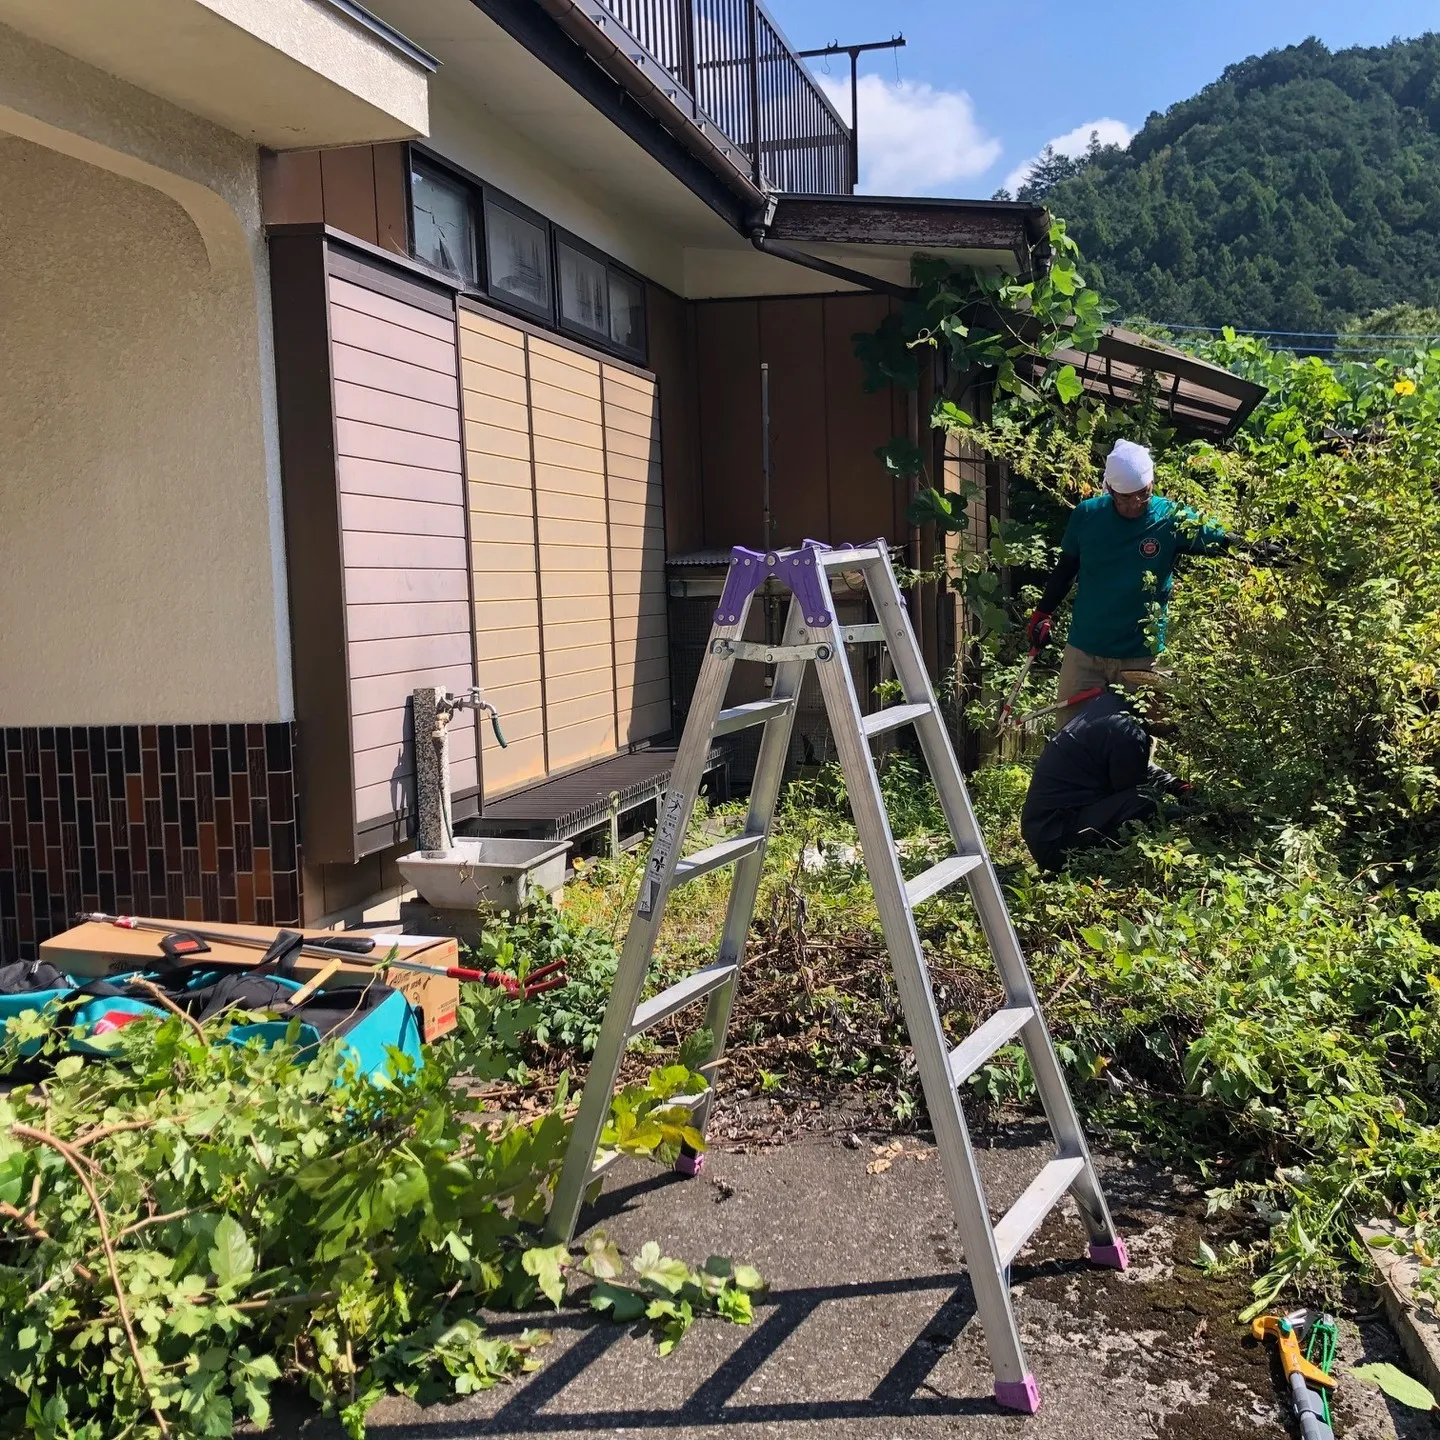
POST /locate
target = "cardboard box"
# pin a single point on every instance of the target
(96, 949)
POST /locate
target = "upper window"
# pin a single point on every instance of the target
(443, 222)
(517, 256)
(497, 246)
(627, 311)
(584, 291)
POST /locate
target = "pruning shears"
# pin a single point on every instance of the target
(1300, 1373)
(1007, 710)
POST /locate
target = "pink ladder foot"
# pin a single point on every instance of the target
(1022, 1395)
(1116, 1256)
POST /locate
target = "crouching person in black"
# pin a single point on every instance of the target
(1094, 777)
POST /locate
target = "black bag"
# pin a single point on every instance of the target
(25, 977)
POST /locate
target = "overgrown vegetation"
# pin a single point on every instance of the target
(185, 1223)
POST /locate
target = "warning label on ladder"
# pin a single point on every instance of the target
(666, 834)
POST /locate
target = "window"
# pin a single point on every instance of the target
(584, 291)
(521, 260)
(627, 312)
(443, 222)
(517, 253)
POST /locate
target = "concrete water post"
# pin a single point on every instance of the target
(434, 825)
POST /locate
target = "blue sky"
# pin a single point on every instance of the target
(980, 90)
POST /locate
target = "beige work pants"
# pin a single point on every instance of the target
(1079, 670)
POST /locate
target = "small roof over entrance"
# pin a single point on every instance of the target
(1199, 399)
(877, 235)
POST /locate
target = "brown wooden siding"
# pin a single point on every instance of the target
(634, 468)
(670, 323)
(403, 538)
(826, 481)
(359, 189)
(570, 481)
(503, 556)
(567, 522)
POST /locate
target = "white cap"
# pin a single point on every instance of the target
(1129, 468)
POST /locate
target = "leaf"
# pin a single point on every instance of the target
(232, 1257)
(1205, 1257)
(735, 1306)
(12, 1177)
(70, 1065)
(1396, 1384)
(747, 1277)
(623, 1303)
(1068, 385)
(695, 1048)
(602, 1259)
(656, 1269)
(546, 1264)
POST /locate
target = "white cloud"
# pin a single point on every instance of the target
(914, 139)
(1075, 142)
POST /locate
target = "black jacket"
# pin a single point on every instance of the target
(1098, 753)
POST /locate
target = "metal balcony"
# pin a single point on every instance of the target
(732, 69)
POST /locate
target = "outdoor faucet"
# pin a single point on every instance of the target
(447, 704)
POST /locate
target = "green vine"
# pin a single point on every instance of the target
(980, 321)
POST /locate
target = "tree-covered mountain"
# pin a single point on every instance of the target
(1300, 190)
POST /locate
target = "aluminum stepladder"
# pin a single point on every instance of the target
(813, 635)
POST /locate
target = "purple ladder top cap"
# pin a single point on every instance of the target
(798, 570)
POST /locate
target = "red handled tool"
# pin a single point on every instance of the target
(346, 947)
(1007, 710)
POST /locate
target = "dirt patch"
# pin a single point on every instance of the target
(1181, 1321)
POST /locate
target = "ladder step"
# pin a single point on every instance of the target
(725, 853)
(972, 1052)
(684, 992)
(863, 634)
(1023, 1218)
(604, 1159)
(893, 718)
(937, 877)
(854, 559)
(755, 712)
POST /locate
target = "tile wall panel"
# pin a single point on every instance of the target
(183, 821)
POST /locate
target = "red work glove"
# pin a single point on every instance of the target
(1037, 630)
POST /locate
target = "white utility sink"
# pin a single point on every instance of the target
(486, 873)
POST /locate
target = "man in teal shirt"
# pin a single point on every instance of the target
(1122, 547)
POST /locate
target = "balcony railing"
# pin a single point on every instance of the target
(735, 70)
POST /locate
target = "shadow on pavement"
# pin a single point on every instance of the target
(899, 1393)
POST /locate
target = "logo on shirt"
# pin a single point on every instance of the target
(1150, 548)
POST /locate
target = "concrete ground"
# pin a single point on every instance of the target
(868, 1330)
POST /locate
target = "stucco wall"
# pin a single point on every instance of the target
(137, 561)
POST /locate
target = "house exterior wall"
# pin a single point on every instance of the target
(359, 189)
(826, 481)
(148, 757)
(567, 544)
(401, 478)
(132, 461)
